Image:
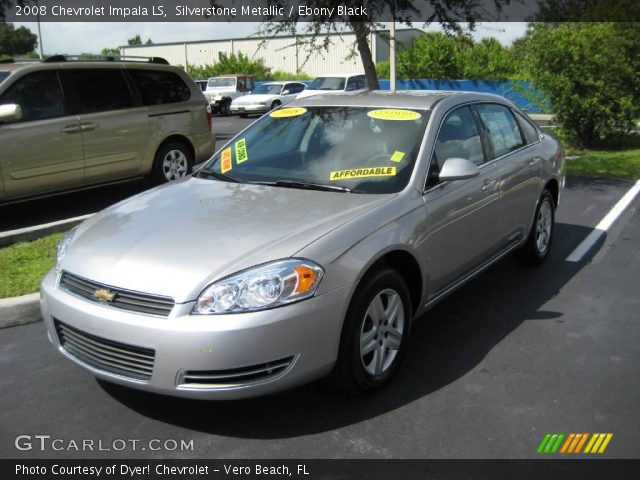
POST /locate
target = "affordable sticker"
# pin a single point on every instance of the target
(288, 112)
(363, 173)
(225, 160)
(394, 114)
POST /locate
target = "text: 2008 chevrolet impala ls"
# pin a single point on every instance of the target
(306, 246)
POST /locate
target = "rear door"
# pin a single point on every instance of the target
(518, 169)
(462, 215)
(114, 123)
(42, 152)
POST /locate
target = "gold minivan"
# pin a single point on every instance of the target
(68, 124)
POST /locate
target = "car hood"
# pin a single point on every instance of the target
(248, 99)
(174, 240)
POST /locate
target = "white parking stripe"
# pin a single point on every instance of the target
(604, 225)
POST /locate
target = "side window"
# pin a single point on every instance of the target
(39, 95)
(501, 127)
(251, 86)
(352, 84)
(158, 87)
(361, 81)
(291, 87)
(99, 90)
(458, 138)
(528, 130)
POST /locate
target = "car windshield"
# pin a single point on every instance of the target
(268, 89)
(358, 149)
(327, 83)
(221, 82)
(3, 75)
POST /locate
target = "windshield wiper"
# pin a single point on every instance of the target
(305, 185)
(220, 176)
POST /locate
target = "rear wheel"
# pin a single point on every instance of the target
(538, 244)
(374, 334)
(275, 104)
(173, 160)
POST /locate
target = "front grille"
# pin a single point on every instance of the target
(123, 299)
(106, 355)
(235, 376)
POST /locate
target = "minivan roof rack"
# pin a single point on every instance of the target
(105, 58)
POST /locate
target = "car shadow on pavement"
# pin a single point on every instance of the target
(447, 342)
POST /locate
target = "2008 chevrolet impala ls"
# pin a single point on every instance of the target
(306, 246)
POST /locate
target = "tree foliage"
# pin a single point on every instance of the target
(590, 73)
(137, 40)
(16, 41)
(436, 55)
(233, 63)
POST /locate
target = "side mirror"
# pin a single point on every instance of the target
(458, 169)
(286, 92)
(10, 111)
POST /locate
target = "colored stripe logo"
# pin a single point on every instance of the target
(573, 443)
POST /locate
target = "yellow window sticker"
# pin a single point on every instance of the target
(288, 112)
(241, 151)
(397, 156)
(394, 114)
(225, 160)
(362, 173)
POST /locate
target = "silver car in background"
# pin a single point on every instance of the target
(306, 246)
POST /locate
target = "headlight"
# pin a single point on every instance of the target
(260, 288)
(63, 246)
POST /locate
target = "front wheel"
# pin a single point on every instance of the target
(173, 160)
(374, 334)
(538, 244)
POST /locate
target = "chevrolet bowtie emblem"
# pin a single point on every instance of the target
(103, 295)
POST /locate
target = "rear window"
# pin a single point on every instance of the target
(327, 83)
(158, 87)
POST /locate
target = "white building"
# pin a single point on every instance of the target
(285, 53)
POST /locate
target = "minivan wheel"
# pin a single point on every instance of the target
(538, 244)
(173, 160)
(374, 334)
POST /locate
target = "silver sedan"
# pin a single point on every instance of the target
(306, 246)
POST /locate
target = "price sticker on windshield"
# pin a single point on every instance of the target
(362, 173)
(288, 112)
(225, 160)
(397, 156)
(394, 114)
(241, 151)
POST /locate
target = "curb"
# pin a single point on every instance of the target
(33, 233)
(20, 310)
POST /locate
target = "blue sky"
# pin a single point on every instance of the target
(79, 37)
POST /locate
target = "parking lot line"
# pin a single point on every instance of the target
(581, 250)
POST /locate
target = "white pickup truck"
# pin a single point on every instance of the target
(222, 90)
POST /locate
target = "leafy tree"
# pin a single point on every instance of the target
(110, 51)
(233, 63)
(589, 73)
(134, 40)
(447, 12)
(16, 41)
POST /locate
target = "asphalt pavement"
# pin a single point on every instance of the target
(515, 354)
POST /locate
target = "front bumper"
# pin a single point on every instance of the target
(307, 333)
(249, 108)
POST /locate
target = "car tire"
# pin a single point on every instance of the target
(275, 104)
(538, 244)
(372, 348)
(225, 108)
(173, 160)
(243, 115)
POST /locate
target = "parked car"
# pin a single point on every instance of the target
(67, 124)
(315, 237)
(335, 83)
(222, 90)
(266, 96)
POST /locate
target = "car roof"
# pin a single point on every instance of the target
(420, 99)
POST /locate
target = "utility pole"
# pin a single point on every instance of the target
(39, 33)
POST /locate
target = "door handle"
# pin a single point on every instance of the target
(86, 127)
(534, 161)
(489, 185)
(74, 128)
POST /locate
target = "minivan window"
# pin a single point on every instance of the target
(158, 87)
(327, 83)
(98, 90)
(39, 95)
(502, 129)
